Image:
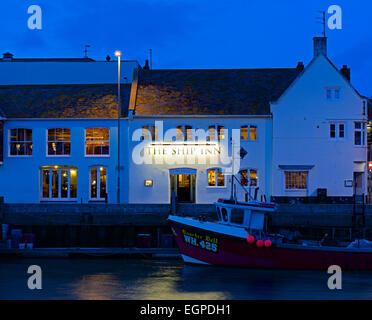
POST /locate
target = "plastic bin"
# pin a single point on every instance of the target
(144, 240)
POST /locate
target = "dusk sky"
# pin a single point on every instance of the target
(193, 34)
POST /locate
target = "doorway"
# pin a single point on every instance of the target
(358, 183)
(183, 183)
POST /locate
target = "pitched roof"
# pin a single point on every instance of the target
(209, 92)
(63, 101)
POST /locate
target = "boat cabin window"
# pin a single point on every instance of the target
(237, 216)
(224, 214)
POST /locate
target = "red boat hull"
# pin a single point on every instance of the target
(236, 252)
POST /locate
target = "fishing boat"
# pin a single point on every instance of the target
(240, 238)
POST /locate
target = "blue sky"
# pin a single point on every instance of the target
(193, 34)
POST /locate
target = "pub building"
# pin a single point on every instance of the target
(289, 133)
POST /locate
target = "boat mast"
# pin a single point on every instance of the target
(232, 171)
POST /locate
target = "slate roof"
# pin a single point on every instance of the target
(209, 92)
(63, 101)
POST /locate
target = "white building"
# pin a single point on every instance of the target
(293, 131)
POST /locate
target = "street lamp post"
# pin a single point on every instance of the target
(118, 54)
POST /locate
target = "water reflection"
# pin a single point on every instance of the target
(145, 279)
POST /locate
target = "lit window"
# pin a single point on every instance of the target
(248, 177)
(98, 183)
(244, 132)
(59, 141)
(359, 133)
(216, 178)
(248, 132)
(253, 177)
(97, 142)
(213, 130)
(295, 180)
(179, 133)
(212, 133)
(253, 133)
(20, 142)
(147, 130)
(220, 132)
(59, 183)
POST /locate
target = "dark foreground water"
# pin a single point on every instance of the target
(170, 279)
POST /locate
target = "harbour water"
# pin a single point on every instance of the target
(97, 278)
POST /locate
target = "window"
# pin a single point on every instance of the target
(59, 142)
(341, 130)
(295, 180)
(20, 142)
(216, 178)
(97, 142)
(248, 132)
(59, 183)
(337, 130)
(184, 133)
(237, 216)
(147, 130)
(359, 133)
(211, 133)
(253, 133)
(333, 93)
(332, 128)
(98, 183)
(212, 130)
(244, 132)
(248, 177)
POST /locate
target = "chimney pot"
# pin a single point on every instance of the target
(7, 56)
(345, 71)
(320, 46)
(146, 67)
(300, 66)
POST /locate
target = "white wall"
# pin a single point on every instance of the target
(159, 173)
(301, 135)
(58, 73)
(19, 176)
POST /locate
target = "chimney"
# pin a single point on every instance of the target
(320, 46)
(345, 71)
(300, 66)
(146, 66)
(7, 56)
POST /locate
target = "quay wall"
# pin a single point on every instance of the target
(112, 225)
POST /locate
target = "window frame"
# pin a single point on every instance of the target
(332, 91)
(151, 127)
(97, 199)
(337, 130)
(249, 132)
(296, 189)
(24, 141)
(216, 186)
(249, 177)
(217, 132)
(47, 141)
(50, 192)
(85, 144)
(362, 131)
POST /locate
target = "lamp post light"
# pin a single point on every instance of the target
(118, 54)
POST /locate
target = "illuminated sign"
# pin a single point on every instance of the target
(174, 149)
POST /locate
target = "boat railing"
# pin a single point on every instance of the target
(248, 196)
